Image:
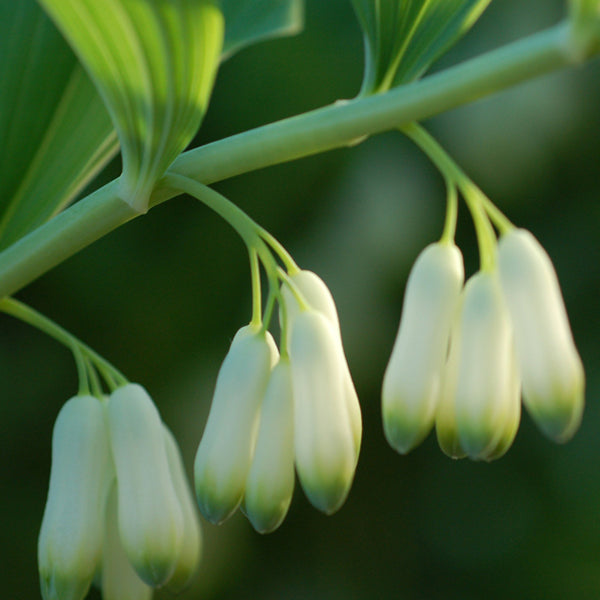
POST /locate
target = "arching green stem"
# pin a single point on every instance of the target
(480, 207)
(449, 232)
(82, 371)
(284, 255)
(113, 376)
(270, 307)
(95, 385)
(247, 228)
(256, 289)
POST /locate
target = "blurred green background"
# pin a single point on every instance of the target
(162, 297)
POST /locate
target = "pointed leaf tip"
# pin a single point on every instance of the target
(154, 64)
(403, 39)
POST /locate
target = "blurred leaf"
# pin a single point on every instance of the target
(154, 63)
(585, 24)
(251, 21)
(404, 37)
(55, 131)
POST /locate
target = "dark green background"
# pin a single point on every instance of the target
(162, 297)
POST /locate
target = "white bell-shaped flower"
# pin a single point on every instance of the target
(118, 579)
(150, 515)
(509, 424)
(323, 437)
(191, 545)
(550, 366)
(485, 387)
(412, 381)
(70, 541)
(270, 482)
(318, 296)
(446, 428)
(446, 419)
(227, 446)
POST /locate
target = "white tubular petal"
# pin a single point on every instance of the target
(485, 383)
(512, 417)
(323, 440)
(70, 541)
(119, 581)
(551, 369)
(411, 385)
(446, 428)
(225, 451)
(317, 294)
(270, 482)
(191, 545)
(150, 517)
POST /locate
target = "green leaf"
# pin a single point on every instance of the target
(56, 134)
(251, 21)
(585, 26)
(404, 37)
(153, 62)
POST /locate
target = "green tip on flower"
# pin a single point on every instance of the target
(118, 579)
(446, 428)
(560, 418)
(63, 586)
(191, 545)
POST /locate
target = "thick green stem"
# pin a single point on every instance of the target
(317, 131)
(344, 122)
(58, 239)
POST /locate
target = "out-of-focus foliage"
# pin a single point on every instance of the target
(55, 132)
(163, 296)
(249, 21)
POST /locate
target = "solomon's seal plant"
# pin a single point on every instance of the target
(137, 76)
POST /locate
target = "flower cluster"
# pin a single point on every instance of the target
(271, 412)
(119, 511)
(464, 355)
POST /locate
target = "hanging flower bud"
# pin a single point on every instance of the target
(189, 556)
(446, 428)
(551, 369)
(512, 417)
(270, 482)
(323, 440)
(70, 541)
(411, 385)
(150, 517)
(485, 389)
(227, 446)
(118, 581)
(446, 425)
(318, 296)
